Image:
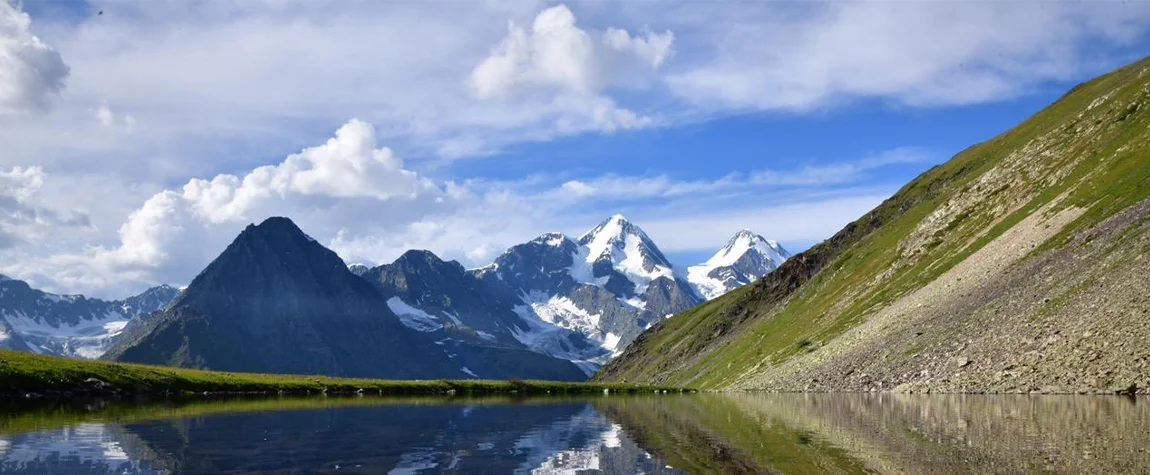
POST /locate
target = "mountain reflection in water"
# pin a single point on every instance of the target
(702, 433)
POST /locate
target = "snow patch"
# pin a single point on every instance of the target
(87, 338)
(555, 340)
(412, 317)
(635, 302)
(36, 326)
(468, 371)
(611, 342)
(563, 312)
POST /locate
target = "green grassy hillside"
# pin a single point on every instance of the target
(23, 373)
(1050, 206)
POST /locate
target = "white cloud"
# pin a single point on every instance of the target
(344, 181)
(359, 199)
(558, 53)
(654, 47)
(612, 187)
(23, 218)
(107, 118)
(918, 53)
(559, 66)
(220, 90)
(31, 72)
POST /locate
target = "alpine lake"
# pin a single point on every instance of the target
(653, 434)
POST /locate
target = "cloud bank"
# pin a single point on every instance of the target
(31, 72)
(183, 122)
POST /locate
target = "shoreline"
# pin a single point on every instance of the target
(32, 376)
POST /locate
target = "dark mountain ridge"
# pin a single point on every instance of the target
(277, 301)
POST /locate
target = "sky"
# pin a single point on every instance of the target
(137, 138)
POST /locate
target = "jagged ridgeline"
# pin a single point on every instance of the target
(276, 301)
(1019, 265)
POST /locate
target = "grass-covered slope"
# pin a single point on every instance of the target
(1018, 265)
(25, 373)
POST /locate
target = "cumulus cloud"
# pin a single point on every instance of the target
(345, 181)
(557, 53)
(571, 67)
(31, 72)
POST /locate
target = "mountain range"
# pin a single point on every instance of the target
(277, 301)
(69, 325)
(1018, 266)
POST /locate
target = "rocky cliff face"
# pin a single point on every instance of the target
(69, 325)
(1017, 266)
(276, 301)
(444, 301)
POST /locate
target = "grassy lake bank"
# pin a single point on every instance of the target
(26, 374)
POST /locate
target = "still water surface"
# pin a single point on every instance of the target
(703, 433)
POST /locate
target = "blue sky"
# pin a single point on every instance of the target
(139, 141)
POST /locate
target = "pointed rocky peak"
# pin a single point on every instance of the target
(418, 257)
(538, 265)
(274, 253)
(553, 239)
(358, 268)
(746, 241)
(550, 252)
(419, 261)
(276, 227)
(159, 290)
(162, 289)
(746, 257)
(149, 300)
(276, 301)
(624, 244)
(613, 227)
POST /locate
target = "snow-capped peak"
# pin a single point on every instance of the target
(746, 257)
(745, 241)
(611, 227)
(614, 233)
(551, 239)
(627, 249)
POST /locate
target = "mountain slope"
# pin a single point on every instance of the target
(69, 325)
(747, 257)
(276, 301)
(1017, 266)
(606, 287)
(455, 309)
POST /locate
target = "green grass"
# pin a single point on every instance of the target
(22, 373)
(762, 325)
